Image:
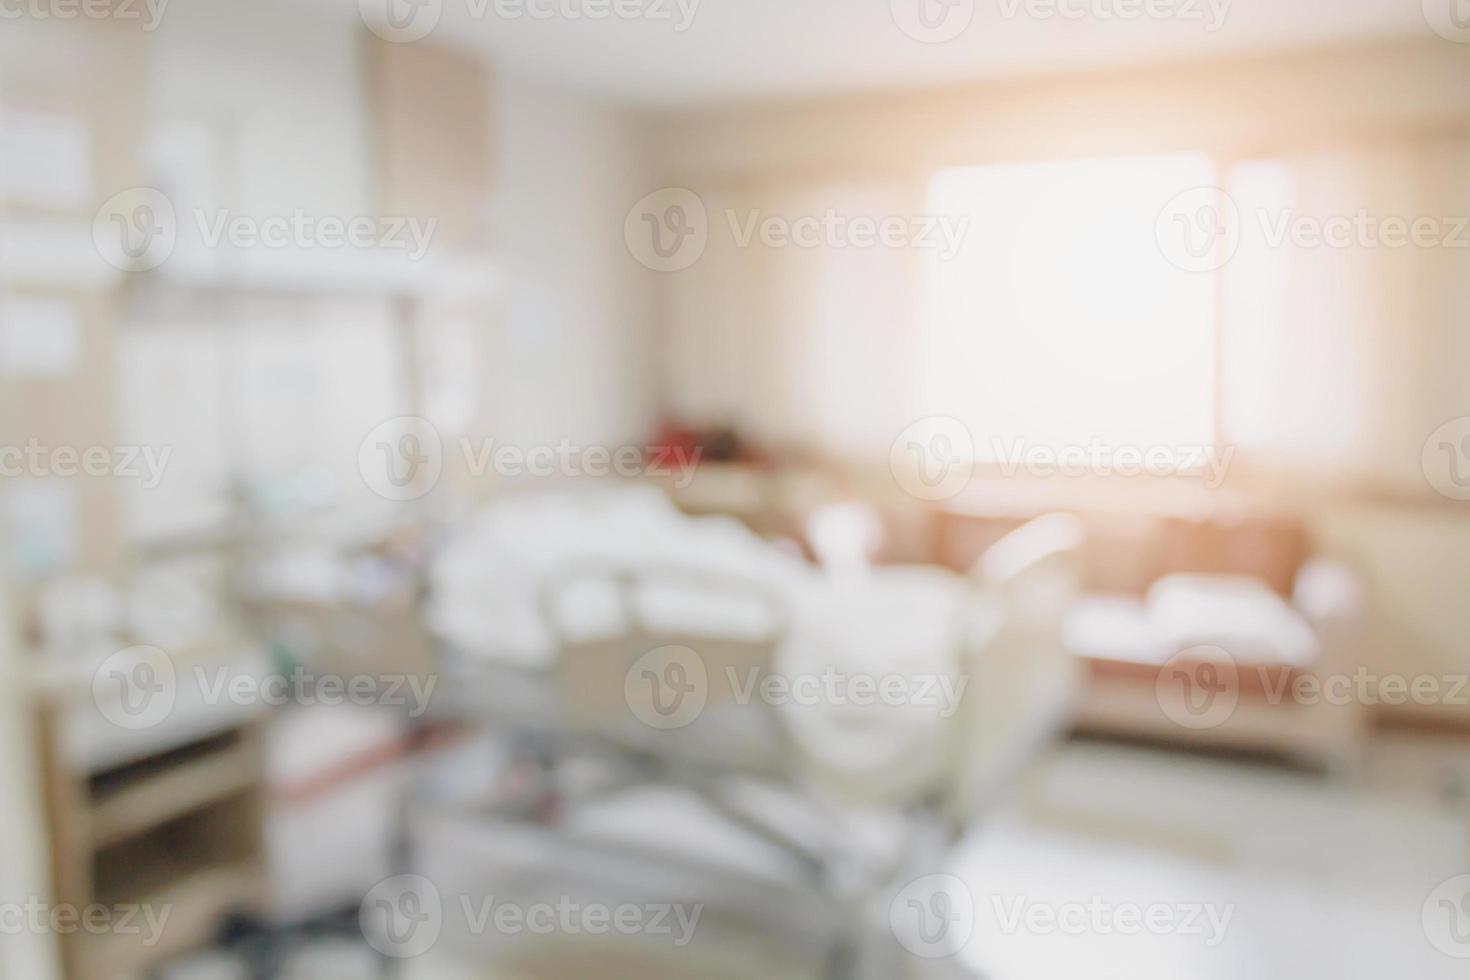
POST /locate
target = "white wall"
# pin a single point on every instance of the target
(287, 104)
(565, 352)
(24, 854)
(1415, 563)
(563, 347)
(1225, 107)
(571, 355)
(1413, 557)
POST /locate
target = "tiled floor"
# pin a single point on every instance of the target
(1262, 873)
(1243, 871)
(1306, 878)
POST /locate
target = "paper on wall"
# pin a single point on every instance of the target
(45, 160)
(40, 337)
(41, 524)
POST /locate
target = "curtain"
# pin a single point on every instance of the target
(1332, 363)
(1342, 356)
(796, 346)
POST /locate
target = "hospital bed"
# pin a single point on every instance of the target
(634, 757)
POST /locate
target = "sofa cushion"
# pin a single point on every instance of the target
(1128, 639)
(1109, 628)
(1240, 614)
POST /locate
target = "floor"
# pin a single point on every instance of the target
(1260, 872)
(1137, 864)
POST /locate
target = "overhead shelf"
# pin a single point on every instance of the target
(61, 253)
(52, 253)
(382, 272)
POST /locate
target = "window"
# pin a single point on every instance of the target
(1061, 322)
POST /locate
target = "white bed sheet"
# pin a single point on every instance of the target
(924, 626)
(487, 585)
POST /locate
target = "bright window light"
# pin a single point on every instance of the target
(1061, 322)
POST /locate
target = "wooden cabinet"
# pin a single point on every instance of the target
(167, 831)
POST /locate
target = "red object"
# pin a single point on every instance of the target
(673, 445)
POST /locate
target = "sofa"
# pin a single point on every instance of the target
(1210, 624)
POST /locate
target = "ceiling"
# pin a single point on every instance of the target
(738, 50)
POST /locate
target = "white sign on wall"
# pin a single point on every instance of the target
(45, 160)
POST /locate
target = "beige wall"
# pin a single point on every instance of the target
(1415, 563)
(567, 355)
(726, 311)
(562, 345)
(1415, 557)
(1233, 106)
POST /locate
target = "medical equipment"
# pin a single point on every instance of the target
(645, 733)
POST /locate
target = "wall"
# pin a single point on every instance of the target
(721, 326)
(288, 105)
(100, 86)
(1415, 563)
(560, 349)
(1229, 106)
(569, 358)
(1411, 553)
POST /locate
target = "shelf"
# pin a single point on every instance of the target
(92, 744)
(355, 272)
(139, 800)
(195, 903)
(52, 253)
(61, 253)
(193, 866)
